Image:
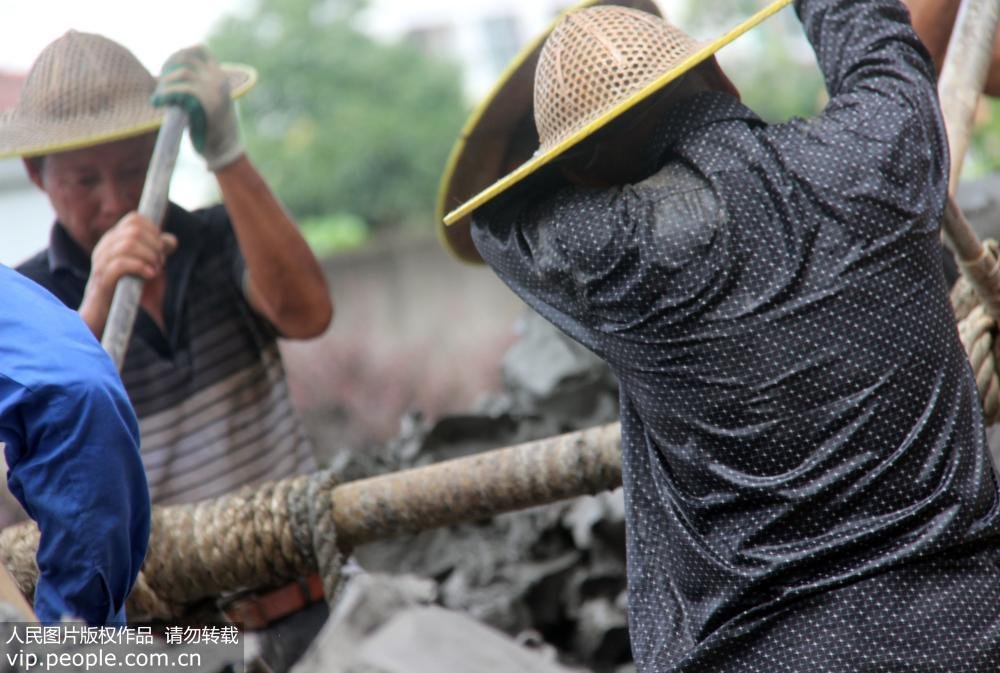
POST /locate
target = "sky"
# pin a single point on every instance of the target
(152, 30)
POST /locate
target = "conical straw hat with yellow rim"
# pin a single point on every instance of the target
(595, 63)
(85, 90)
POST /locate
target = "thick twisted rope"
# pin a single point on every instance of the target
(976, 302)
(314, 520)
(252, 538)
(256, 539)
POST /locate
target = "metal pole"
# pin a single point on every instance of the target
(152, 204)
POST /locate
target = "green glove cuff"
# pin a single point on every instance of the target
(192, 80)
(195, 113)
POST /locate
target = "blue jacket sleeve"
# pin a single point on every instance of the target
(75, 467)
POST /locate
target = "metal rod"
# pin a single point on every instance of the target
(152, 204)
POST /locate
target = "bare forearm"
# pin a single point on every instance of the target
(286, 282)
(933, 21)
(993, 78)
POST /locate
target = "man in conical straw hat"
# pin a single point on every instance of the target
(806, 482)
(202, 367)
(221, 284)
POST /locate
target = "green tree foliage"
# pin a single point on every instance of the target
(339, 122)
(984, 147)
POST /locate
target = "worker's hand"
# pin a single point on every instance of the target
(192, 79)
(133, 247)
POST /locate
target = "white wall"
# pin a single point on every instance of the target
(25, 214)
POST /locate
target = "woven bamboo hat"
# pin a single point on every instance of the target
(499, 135)
(596, 63)
(85, 90)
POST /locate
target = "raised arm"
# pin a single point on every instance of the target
(934, 20)
(867, 47)
(877, 156)
(285, 281)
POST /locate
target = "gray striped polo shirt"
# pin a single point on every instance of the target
(210, 392)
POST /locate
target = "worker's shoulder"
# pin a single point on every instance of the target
(211, 227)
(27, 302)
(214, 215)
(43, 340)
(678, 194)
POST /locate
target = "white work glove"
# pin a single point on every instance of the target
(192, 79)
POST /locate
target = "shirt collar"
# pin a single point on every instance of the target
(65, 254)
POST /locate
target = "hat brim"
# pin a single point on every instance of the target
(30, 139)
(454, 227)
(499, 135)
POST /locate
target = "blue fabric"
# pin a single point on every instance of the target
(804, 461)
(72, 446)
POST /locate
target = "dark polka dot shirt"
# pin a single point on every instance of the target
(805, 470)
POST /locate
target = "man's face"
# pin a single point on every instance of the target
(92, 188)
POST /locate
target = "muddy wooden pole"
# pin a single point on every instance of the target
(964, 74)
(152, 204)
(479, 486)
(962, 79)
(264, 536)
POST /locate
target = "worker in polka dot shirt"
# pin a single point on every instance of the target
(804, 467)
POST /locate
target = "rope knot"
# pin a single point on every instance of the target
(975, 300)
